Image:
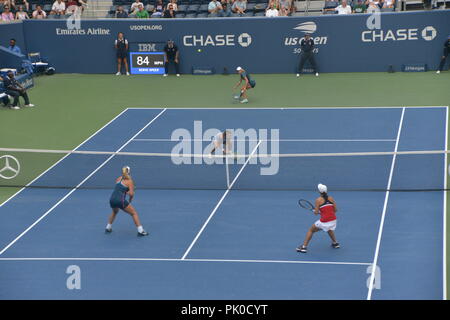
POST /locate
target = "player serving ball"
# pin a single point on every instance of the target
(124, 185)
(326, 207)
(249, 83)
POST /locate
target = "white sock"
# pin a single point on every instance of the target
(140, 229)
(109, 226)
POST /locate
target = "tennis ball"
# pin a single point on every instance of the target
(199, 50)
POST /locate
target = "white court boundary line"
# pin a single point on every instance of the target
(220, 202)
(81, 183)
(56, 163)
(383, 215)
(290, 108)
(192, 260)
(266, 140)
(444, 277)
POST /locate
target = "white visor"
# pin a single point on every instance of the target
(322, 188)
(238, 69)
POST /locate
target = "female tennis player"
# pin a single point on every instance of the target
(326, 207)
(249, 83)
(222, 141)
(124, 185)
(121, 45)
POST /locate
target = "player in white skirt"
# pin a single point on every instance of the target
(222, 141)
(326, 207)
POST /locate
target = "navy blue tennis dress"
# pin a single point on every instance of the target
(121, 48)
(118, 197)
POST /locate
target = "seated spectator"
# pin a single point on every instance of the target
(388, 4)
(215, 9)
(120, 13)
(21, 15)
(285, 7)
(142, 13)
(6, 14)
(71, 6)
(174, 5)
(239, 7)
(5, 3)
(169, 12)
(158, 10)
(343, 8)
(39, 13)
(226, 7)
(272, 10)
(13, 47)
(359, 7)
(373, 6)
(135, 6)
(15, 4)
(58, 7)
(75, 6)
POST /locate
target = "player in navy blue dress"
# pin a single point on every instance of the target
(124, 185)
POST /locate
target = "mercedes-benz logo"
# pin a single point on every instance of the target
(9, 167)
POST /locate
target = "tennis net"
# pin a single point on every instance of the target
(355, 171)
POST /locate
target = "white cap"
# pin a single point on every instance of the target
(238, 68)
(322, 188)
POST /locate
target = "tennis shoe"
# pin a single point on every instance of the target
(298, 74)
(302, 249)
(128, 73)
(178, 74)
(439, 71)
(142, 234)
(108, 230)
(335, 245)
(118, 74)
(165, 75)
(317, 74)
(29, 105)
(244, 101)
(15, 107)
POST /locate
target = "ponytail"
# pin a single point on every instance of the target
(324, 195)
(126, 173)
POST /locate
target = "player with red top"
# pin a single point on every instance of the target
(326, 207)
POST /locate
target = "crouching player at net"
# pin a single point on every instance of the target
(124, 185)
(326, 207)
(222, 141)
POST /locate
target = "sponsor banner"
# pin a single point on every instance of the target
(354, 43)
(202, 70)
(417, 67)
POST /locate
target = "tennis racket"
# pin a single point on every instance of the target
(305, 204)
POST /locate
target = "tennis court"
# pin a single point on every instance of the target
(227, 232)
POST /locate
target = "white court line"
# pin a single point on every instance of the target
(220, 202)
(81, 183)
(190, 260)
(383, 215)
(444, 295)
(291, 108)
(52, 166)
(268, 140)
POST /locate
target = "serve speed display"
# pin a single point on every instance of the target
(147, 62)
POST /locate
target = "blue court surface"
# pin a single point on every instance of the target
(216, 239)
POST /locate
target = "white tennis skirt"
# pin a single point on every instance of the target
(326, 226)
